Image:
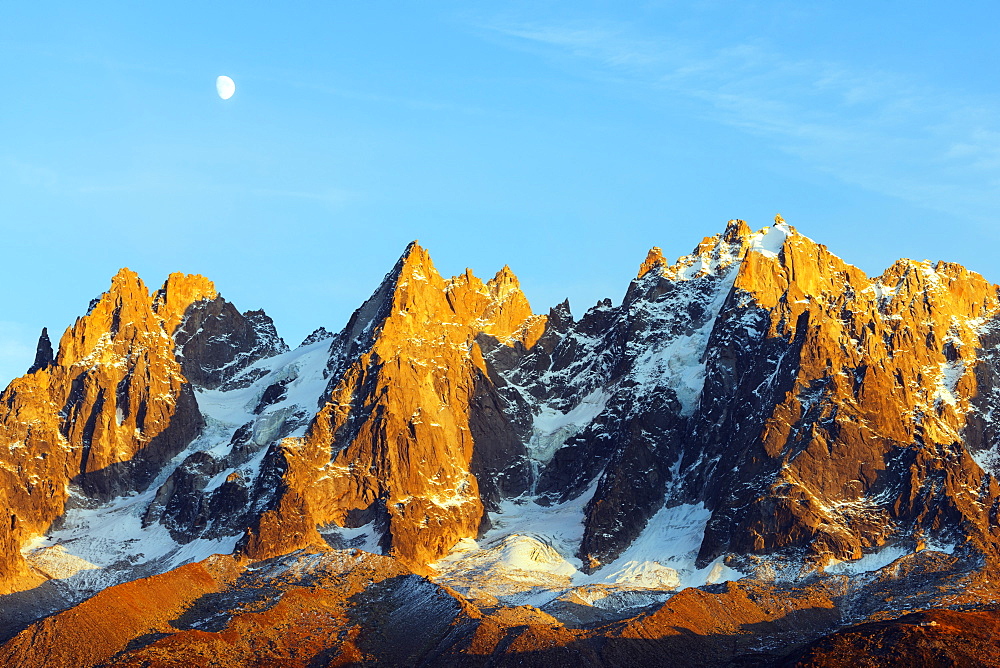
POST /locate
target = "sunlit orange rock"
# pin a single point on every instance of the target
(103, 417)
(395, 441)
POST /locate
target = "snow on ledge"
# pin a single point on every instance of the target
(664, 554)
(768, 242)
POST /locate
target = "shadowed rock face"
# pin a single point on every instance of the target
(215, 342)
(43, 353)
(931, 638)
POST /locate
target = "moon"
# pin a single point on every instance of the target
(225, 87)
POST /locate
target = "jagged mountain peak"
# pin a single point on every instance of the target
(99, 420)
(736, 229)
(910, 276)
(414, 294)
(120, 313)
(408, 385)
(504, 282)
(43, 352)
(653, 260)
(414, 262)
(716, 254)
(318, 334)
(179, 291)
(124, 276)
(128, 309)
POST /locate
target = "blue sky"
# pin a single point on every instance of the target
(563, 139)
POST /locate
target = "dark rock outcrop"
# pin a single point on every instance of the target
(215, 342)
(43, 352)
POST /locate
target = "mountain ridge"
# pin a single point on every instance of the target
(757, 411)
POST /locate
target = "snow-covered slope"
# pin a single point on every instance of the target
(187, 513)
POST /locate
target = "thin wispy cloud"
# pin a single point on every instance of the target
(27, 174)
(295, 80)
(332, 196)
(881, 131)
(150, 183)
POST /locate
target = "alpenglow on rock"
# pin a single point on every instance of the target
(759, 420)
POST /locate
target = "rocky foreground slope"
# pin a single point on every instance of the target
(758, 447)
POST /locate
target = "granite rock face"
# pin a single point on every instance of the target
(98, 421)
(410, 415)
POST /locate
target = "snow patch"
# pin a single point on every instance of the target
(526, 558)
(885, 557)
(519, 557)
(870, 562)
(664, 554)
(55, 562)
(552, 427)
(107, 545)
(988, 460)
(365, 537)
(679, 362)
(768, 242)
(949, 375)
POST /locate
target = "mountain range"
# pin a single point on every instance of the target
(761, 456)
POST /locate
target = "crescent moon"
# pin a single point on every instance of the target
(225, 87)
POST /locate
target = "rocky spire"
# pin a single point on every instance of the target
(653, 259)
(43, 353)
